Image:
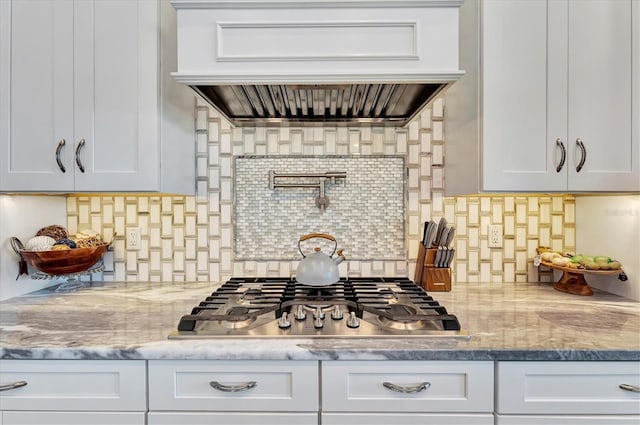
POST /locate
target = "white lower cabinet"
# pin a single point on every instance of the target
(405, 419)
(567, 420)
(567, 393)
(282, 392)
(231, 418)
(352, 392)
(73, 392)
(73, 418)
(233, 392)
(407, 392)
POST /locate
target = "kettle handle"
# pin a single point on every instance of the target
(318, 235)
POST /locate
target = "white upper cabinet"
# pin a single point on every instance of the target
(81, 104)
(551, 93)
(603, 95)
(116, 94)
(36, 106)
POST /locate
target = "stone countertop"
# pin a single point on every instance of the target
(506, 321)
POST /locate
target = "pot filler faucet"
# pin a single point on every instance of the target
(322, 200)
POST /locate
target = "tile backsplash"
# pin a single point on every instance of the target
(195, 237)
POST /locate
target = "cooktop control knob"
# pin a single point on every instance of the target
(300, 314)
(283, 321)
(353, 321)
(317, 323)
(318, 313)
(336, 314)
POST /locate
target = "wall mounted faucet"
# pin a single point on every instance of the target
(321, 200)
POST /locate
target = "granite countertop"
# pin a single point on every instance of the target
(506, 321)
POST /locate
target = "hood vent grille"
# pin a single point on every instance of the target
(317, 104)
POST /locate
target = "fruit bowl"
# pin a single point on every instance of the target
(64, 262)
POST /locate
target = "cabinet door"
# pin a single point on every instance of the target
(518, 152)
(116, 95)
(36, 102)
(603, 95)
(73, 418)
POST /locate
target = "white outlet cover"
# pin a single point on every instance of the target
(495, 236)
(133, 238)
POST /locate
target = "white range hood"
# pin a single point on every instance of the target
(318, 61)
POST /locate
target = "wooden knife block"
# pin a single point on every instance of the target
(436, 279)
(429, 277)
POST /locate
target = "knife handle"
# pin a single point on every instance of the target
(424, 233)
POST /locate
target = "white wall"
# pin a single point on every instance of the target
(610, 225)
(23, 216)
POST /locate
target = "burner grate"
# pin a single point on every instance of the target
(384, 300)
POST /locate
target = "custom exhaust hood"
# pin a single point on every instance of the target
(318, 62)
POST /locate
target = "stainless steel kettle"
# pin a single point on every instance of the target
(318, 268)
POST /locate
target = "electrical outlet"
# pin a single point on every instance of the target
(133, 238)
(495, 236)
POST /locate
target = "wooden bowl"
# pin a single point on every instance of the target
(66, 261)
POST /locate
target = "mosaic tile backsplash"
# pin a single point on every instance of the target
(365, 211)
(193, 238)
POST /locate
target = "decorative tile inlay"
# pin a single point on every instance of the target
(365, 212)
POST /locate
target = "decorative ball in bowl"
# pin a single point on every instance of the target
(68, 261)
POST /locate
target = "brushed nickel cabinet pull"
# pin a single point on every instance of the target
(407, 390)
(61, 144)
(244, 386)
(629, 387)
(78, 161)
(583, 158)
(564, 155)
(13, 385)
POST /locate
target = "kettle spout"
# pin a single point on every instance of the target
(340, 258)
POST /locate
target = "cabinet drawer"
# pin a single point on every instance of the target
(72, 418)
(81, 385)
(567, 387)
(449, 386)
(231, 418)
(287, 386)
(568, 420)
(407, 419)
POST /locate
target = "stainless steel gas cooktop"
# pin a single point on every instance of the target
(352, 308)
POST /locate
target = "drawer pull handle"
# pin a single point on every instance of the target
(628, 387)
(13, 385)
(407, 390)
(233, 388)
